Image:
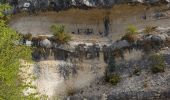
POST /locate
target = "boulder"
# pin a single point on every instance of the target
(120, 44)
(28, 43)
(45, 43)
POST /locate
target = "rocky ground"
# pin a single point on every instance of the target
(145, 86)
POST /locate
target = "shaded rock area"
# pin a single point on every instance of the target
(145, 86)
(133, 95)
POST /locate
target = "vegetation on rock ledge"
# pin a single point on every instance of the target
(59, 34)
(157, 63)
(130, 36)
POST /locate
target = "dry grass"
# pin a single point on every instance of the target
(150, 29)
(133, 55)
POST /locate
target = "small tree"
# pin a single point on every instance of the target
(131, 33)
(59, 34)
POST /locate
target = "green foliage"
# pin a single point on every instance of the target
(157, 63)
(132, 29)
(114, 79)
(59, 34)
(57, 29)
(131, 33)
(4, 18)
(11, 85)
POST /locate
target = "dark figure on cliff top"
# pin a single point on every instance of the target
(144, 16)
(106, 25)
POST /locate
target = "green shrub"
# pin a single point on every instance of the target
(157, 63)
(114, 79)
(57, 29)
(11, 84)
(59, 34)
(131, 34)
(132, 29)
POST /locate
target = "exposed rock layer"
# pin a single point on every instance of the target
(90, 3)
